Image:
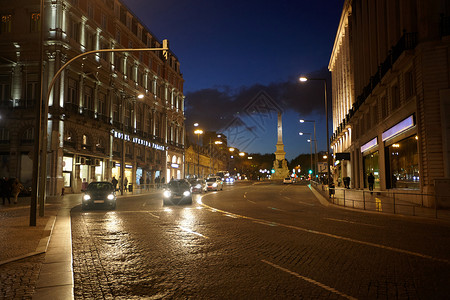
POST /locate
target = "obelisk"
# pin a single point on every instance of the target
(280, 164)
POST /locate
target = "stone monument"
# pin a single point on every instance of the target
(280, 163)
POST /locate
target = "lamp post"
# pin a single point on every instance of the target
(304, 79)
(310, 149)
(316, 165)
(41, 152)
(122, 163)
(198, 132)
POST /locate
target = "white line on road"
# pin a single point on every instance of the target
(351, 222)
(251, 201)
(274, 208)
(305, 203)
(326, 287)
(153, 215)
(193, 232)
(340, 237)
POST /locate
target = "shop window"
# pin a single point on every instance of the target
(403, 164)
(370, 162)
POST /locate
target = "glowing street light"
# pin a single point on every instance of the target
(198, 132)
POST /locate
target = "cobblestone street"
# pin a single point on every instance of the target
(262, 242)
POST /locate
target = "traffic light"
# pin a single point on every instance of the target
(166, 46)
(310, 172)
(273, 171)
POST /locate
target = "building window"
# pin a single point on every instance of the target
(117, 36)
(104, 21)
(35, 22)
(87, 99)
(74, 30)
(6, 24)
(409, 85)
(28, 136)
(384, 107)
(4, 136)
(101, 104)
(115, 109)
(90, 10)
(139, 119)
(395, 94)
(90, 41)
(72, 91)
(5, 93)
(403, 164)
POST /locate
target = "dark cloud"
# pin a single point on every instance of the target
(215, 108)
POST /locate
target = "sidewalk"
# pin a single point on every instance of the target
(398, 202)
(42, 253)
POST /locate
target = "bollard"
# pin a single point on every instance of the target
(62, 192)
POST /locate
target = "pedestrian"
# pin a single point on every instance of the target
(371, 181)
(84, 185)
(5, 190)
(114, 183)
(163, 181)
(147, 182)
(15, 190)
(157, 182)
(125, 186)
(347, 182)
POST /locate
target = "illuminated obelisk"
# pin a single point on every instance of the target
(280, 164)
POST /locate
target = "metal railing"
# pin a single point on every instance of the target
(403, 202)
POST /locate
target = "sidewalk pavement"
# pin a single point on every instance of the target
(398, 202)
(43, 252)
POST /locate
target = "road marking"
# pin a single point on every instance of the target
(351, 222)
(251, 201)
(265, 223)
(274, 208)
(412, 253)
(324, 286)
(153, 215)
(305, 203)
(193, 232)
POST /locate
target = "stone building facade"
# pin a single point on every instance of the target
(96, 122)
(391, 94)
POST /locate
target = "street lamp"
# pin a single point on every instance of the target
(310, 148)
(316, 166)
(304, 79)
(198, 132)
(122, 164)
(211, 161)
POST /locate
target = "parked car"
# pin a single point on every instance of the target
(177, 191)
(214, 184)
(101, 192)
(287, 180)
(198, 186)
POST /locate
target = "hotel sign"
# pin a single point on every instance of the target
(138, 141)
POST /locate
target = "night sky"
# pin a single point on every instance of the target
(241, 61)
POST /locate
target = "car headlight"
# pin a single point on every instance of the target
(86, 197)
(186, 193)
(214, 184)
(198, 186)
(167, 194)
(110, 197)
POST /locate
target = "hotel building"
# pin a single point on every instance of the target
(96, 119)
(391, 95)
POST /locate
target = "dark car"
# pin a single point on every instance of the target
(198, 186)
(101, 192)
(177, 191)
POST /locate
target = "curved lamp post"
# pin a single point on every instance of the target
(198, 132)
(304, 79)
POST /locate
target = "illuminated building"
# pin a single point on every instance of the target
(390, 78)
(94, 105)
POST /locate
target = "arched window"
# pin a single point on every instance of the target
(174, 159)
